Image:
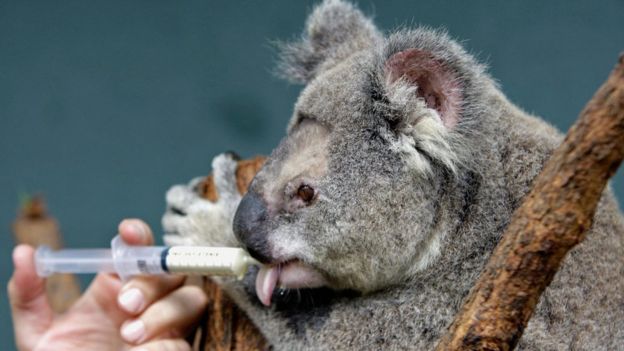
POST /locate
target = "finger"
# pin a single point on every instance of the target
(141, 292)
(103, 293)
(136, 232)
(105, 288)
(31, 311)
(174, 315)
(164, 345)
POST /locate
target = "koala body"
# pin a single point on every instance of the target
(402, 165)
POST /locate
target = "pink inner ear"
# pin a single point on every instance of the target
(435, 83)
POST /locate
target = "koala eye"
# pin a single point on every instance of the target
(305, 193)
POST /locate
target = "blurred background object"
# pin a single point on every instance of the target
(106, 104)
(34, 227)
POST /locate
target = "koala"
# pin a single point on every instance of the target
(401, 167)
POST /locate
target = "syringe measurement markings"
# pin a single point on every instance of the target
(142, 266)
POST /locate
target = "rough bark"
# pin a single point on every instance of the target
(224, 326)
(552, 219)
(35, 227)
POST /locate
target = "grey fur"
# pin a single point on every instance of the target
(401, 234)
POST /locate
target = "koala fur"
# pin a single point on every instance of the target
(401, 167)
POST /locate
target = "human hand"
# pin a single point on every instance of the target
(153, 312)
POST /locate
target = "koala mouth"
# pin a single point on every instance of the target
(292, 274)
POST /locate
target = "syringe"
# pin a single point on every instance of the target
(128, 261)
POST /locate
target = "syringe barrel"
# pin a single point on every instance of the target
(133, 260)
(127, 260)
(48, 262)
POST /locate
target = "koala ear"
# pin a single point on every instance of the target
(334, 31)
(430, 79)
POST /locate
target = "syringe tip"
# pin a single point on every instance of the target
(42, 268)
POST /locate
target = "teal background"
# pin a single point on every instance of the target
(105, 104)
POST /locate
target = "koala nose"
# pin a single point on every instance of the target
(250, 226)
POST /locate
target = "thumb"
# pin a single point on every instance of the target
(30, 308)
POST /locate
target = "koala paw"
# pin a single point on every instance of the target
(201, 212)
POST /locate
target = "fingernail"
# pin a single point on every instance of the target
(131, 300)
(139, 230)
(134, 331)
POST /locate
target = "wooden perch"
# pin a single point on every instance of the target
(35, 227)
(553, 218)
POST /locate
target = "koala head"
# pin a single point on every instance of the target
(368, 180)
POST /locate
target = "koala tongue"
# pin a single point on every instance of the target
(265, 283)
